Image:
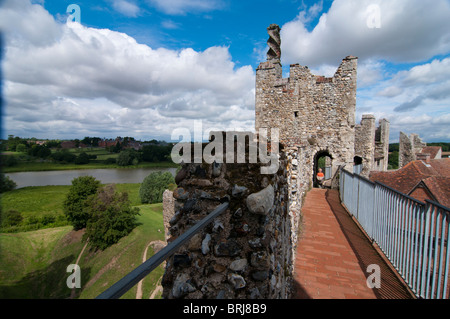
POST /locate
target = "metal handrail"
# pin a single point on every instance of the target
(413, 235)
(128, 282)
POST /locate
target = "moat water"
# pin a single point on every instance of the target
(65, 177)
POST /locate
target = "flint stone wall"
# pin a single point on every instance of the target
(409, 147)
(168, 211)
(365, 142)
(247, 252)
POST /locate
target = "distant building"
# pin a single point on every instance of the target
(135, 145)
(113, 142)
(36, 142)
(107, 143)
(68, 144)
(420, 179)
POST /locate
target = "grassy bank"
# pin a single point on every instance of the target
(109, 266)
(33, 264)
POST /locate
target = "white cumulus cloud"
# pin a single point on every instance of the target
(409, 31)
(83, 79)
(127, 8)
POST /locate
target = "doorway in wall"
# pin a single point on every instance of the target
(323, 162)
(357, 165)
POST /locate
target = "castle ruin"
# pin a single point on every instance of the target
(316, 114)
(249, 251)
(412, 148)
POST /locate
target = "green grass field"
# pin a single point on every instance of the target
(37, 201)
(33, 201)
(33, 264)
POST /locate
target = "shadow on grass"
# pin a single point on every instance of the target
(47, 283)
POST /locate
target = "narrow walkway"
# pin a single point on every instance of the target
(333, 255)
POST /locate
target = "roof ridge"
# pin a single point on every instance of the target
(428, 166)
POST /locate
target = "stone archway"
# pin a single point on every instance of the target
(324, 160)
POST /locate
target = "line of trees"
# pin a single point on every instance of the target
(154, 151)
(445, 146)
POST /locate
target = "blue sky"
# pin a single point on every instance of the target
(143, 68)
(238, 25)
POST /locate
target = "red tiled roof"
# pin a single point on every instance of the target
(435, 175)
(442, 166)
(432, 150)
(439, 186)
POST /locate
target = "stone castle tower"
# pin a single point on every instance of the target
(316, 114)
(372, 144)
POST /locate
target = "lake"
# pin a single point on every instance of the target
(65, 177)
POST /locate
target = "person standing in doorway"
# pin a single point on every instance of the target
(320, 176)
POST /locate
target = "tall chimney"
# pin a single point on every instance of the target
(274, 43)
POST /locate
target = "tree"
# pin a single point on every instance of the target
(14, 141)
(112, 217)
(54, 144)
(83, 158)
(8, 160)
(394, 147)
(155, 153)
(91, 141)
(86, 141)
(128, 157)
(6, 184)
(75, 204)
(41, 151)
(64, 156)
(116, 148)
(21, 148)
(393, 160)
(124, 158)
(153, 187)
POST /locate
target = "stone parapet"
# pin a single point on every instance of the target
(247, 251)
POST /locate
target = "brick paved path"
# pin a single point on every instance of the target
(333, 255)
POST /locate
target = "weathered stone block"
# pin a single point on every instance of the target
(237, 281)
(262, 201)
(229, 249)
(239, 265)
